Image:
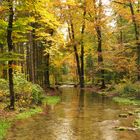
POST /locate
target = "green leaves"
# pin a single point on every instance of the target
(11, 56)
(3, 24)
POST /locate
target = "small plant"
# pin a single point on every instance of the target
(29, 113)
(4, 125)
(51, 100)
(4, 89)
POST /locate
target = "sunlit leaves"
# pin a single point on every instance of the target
(10, 56)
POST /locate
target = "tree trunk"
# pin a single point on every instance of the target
(33, 53)
(99, 37)
(82, 50)
(10, 49)
(46, 73)
(72, 37)
(136, 36)
(100, 56)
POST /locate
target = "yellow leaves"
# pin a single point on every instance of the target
(1, 9)
(17, 68)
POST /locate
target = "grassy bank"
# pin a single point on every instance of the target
(4, 126)
(126, 100)
(6, 123)
(29, 113)
(52, 100)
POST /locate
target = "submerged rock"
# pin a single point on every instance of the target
(123, 115)
(122, 128)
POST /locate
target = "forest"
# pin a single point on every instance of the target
(61, 56)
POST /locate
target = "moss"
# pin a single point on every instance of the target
(126, 101)
(137, 111)
(131, 113)
(137, 123)
(4, 125)
(52, 100)
(121, 128)
(29, 113)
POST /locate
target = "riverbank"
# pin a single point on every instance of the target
(77, 111)
(8, 118)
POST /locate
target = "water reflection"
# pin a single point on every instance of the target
(81, 115)
(81, 100)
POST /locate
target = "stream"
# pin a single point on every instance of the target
(81, 115)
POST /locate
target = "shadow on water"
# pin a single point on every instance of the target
(81, 115)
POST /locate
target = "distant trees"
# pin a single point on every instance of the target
(129, 12)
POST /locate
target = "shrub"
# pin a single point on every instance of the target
(4, 89)
(37, 94)
(23, 90)
(128, 89)
(26, 93)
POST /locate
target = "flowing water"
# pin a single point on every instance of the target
(81, 115)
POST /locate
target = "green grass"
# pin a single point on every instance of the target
(126, 101)
(29, 113)
(52, 100)
(4, 125)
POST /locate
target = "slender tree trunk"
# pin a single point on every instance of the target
(99, 37)
(30, 56)
(136, 29)
(10, 49)
(46, 73)
(72, 37)
(120, 39)
(28, 62)
(22, 63)
(33, 54)
(47, 61)
(82, 50)
(100, 56)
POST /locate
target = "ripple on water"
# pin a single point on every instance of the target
(83, 116)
